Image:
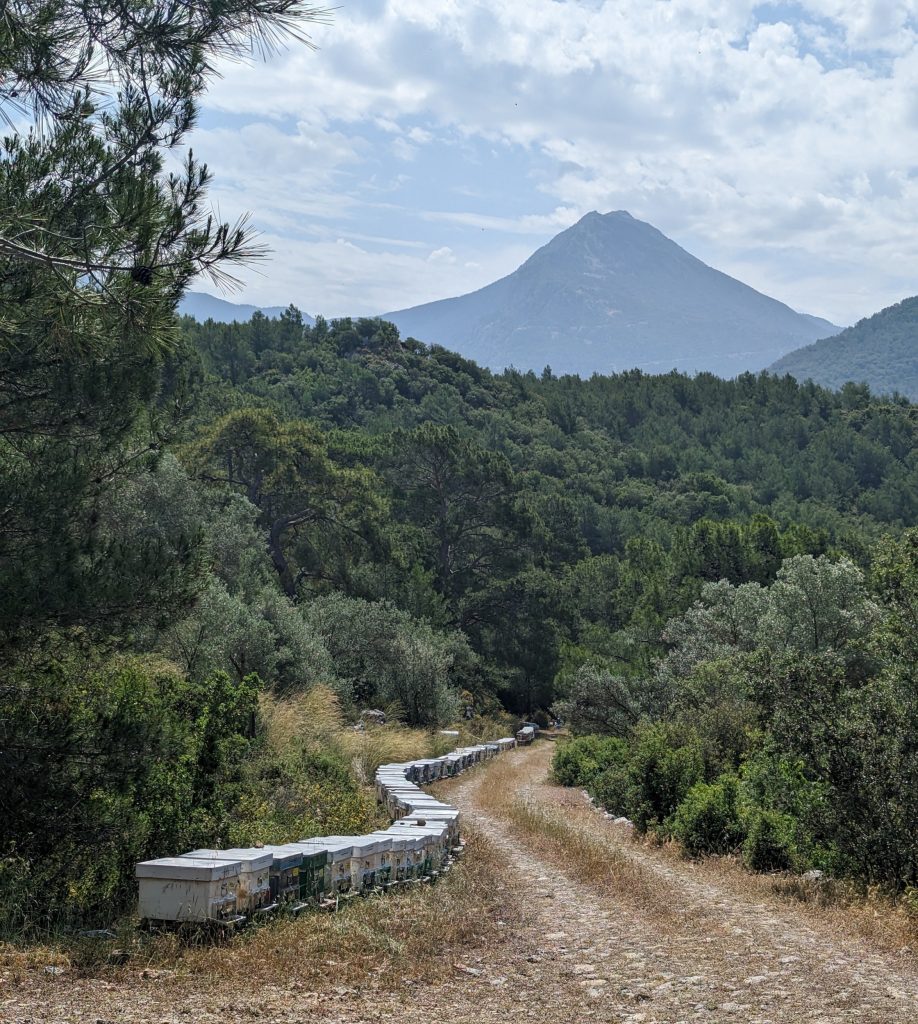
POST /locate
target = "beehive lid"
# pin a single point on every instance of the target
(198, 869)
(337, 847)
(252, 858)
(397, 842)
(286, 855)
(422, 825)
(365, 846)
(310, 851)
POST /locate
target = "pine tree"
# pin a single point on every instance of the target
(97, 243)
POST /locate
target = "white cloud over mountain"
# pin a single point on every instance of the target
(775, 141)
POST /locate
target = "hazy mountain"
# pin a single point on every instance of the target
(881, 350)
(611, 293)
(209, 307)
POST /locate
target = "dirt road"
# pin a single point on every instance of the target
(587, 925)
(690, 947)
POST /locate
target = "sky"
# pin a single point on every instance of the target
(427, 147)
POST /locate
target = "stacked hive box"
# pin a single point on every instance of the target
(226, 887)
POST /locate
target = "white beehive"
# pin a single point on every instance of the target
(340, 850)
(255, 877)
(449, 815)
(436, 836)
(370, 851)
(254, 888)
(188, 889)
(397, 854)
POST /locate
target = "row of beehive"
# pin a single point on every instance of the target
(228, 887)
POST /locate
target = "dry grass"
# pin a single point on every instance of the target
(314, 720)
(842, 907)
(568, 836)
(563, 827)
(380, 942)
(386, 938)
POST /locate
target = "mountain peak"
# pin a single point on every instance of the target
(606, 221)
(610, 293)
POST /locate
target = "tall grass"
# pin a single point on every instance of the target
(314, 721)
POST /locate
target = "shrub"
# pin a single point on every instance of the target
(108, 760)
(579, 762)
(707, 820)
(665, 763)
(770, 844)
(614, 789)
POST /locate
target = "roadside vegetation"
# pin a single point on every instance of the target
(779, 726)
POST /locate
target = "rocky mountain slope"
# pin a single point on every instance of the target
(609, 294)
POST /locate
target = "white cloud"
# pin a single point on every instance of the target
(780, 149)
(403, 149)
(442, 255)
(338, 278)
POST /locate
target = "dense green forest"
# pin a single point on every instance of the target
(219, 543)
(283, 507)
(881, 350)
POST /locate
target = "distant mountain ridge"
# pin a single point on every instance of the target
(208, 307)
(609, 294)
(881, 350)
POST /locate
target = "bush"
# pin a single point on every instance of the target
(581, 761)
(614, 789)
(665, 763)
(708, 820)
(770, 844)
(108, 760)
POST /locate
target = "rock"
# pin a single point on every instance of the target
(813, 876)
(55, 971)
(373, 716)
(624, 821)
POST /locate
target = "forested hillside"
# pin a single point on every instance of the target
(881, 350)
(503, 506)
